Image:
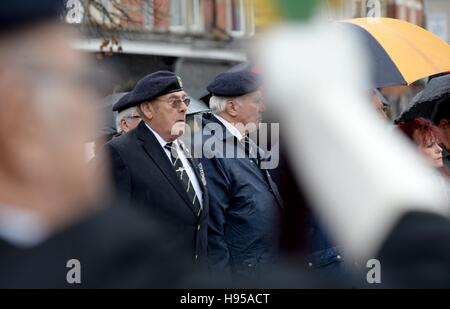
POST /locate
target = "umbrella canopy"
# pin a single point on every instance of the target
(401, 53)
(425, 104)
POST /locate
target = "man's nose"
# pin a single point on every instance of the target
(183, 107)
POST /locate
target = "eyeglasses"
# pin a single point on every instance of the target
(133, 117)
(176, 103)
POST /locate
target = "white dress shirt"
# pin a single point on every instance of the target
(233, 130)
(187, 166)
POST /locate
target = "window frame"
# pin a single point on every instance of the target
(198, 27)
(236, 33)
(183, 10)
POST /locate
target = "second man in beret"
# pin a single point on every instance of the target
(245, 206)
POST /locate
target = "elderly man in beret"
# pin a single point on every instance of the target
(153, 169)
(244, 202)
(127, 118)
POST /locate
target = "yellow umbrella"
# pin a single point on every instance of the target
(402, 52)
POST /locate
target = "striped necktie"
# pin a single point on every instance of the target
(184, 177)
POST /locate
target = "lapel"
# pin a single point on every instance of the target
(154, 150)
(273, 187)
(266, 175)
(230, 139)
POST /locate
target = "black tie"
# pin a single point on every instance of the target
(184, 177)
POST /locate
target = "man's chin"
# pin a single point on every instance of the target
(178, 129)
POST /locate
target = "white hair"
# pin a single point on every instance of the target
(125, 114)
(218, 104)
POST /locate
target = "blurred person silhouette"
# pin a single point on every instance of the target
(442, 120)
(106, 129)
(54, 216)
(303, 234)
(379, 102)
(379, 206)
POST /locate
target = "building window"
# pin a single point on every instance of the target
(149, 13)
(402, 12)
(412, 16)
(196, 16)
(357, 9)
(236, 19)
(108, 7)
(251, 17)
(178, 15)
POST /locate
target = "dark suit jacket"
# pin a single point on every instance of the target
(116, 248)
(416, 253)
(143, 175)
(245, 207)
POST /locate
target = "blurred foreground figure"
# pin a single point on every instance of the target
(442, 120)
(378, 205)
(49, 225)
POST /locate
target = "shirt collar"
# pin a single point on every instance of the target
(161, 141)
(233, 130)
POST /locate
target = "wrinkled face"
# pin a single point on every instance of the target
(430, 149)
(167, 114)
(250, 109)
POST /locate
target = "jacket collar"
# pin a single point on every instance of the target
(154, 150)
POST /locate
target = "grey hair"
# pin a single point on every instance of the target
(218, 104)
(124, 114)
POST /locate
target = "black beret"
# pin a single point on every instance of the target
(154, 85)
(121, 105)
(234, 84)
(17, 13)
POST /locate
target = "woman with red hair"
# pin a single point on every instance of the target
(427, 137)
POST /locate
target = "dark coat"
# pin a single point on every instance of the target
(116, 247)
(143, 175)
(416, 253)
(245, 208)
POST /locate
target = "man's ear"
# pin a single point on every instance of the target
(147, 109)
(443, 124)
(123, 124)
(232, 108)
